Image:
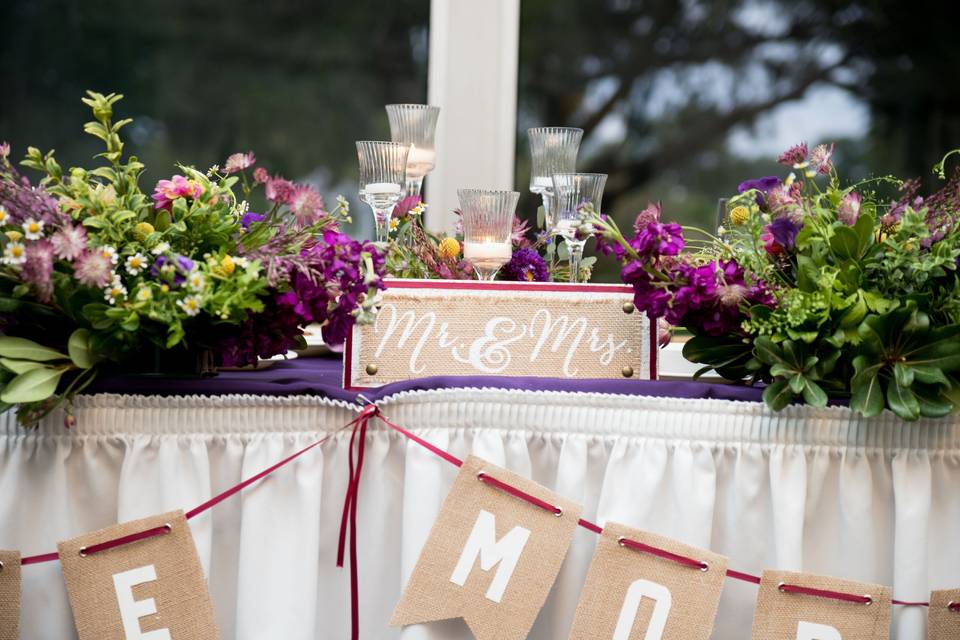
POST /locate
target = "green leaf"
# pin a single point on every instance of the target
(807, 274)
(781, 370)
(928, 375)
(31, 386)
(79, 348)
(902, 401)
(845, 243)
(778, 395)
(767, 351)
(866, 393)
(864, 230)
(24, 349)
(19, 366)
(797, 383)
(902, 374)
(814, 395)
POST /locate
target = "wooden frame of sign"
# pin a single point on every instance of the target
(512, 329)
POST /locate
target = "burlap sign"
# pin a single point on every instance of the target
(491, 556)
(631, 594)
(9, 595)
(148, 589)
(942, 622)
(795, 616)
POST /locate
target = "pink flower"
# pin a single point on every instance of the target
(38, 267)
(518, 234)
(404, 207)
(651, 214)
(260, 175)
(69, 242)
(822, 158)
(239, 161)
(279, 190)
(797, 154)
(849, 209)
(306, 205)
(94, 269)
(167, 191)
(4, 149)
(664, 332)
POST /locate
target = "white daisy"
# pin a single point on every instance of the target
(144, 294)
(136, 263)
(33, 229)
(116, 291)
(162, 247)
(195, 281)
(241, 262)
(4, 216)
(190, 305)
(109, 253)
(15, 253)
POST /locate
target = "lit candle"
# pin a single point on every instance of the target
(487, 253)
(382, 188)
(420, 162)
(541, 182)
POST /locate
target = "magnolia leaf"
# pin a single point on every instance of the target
(814, 395)
(19, 366)
(902, 401)
(33, 385)
(902, 374)
(79, 348)
(866, 392)
(767, 351)
(23, 349)
(797, 383)
(845, 243)
(928, 375)
(781, 370)
(778, 395)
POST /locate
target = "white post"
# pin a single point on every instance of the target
(473, 79)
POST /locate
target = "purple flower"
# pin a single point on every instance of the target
(172, 270)
(660, 239)
(763, 186)
(797, 154)
(518, 234)
(780, 236)
(526, 265)
(249, 218)
(849, 209)
(405, 205)
(37, 268)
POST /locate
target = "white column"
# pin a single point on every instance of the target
(473, 79)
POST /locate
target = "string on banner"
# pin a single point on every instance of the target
(591, 526)
(212, 502)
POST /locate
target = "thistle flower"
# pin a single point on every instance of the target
(306, 205)
(238, 162)
(849, 209)
(279, 190)
(33, 229)
(14, 254)
(794, 156)
(190, 305)
(135, 264)
(93, 269)
(69, 242)
(821, 159)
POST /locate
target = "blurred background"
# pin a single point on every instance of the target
(679, 100)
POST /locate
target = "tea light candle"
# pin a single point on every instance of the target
(420, 162)
(541, 182)
(381, 188)
(487, 252)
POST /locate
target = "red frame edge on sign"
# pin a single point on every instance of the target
(413, 283)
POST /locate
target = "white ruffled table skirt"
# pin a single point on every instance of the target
(806, 489)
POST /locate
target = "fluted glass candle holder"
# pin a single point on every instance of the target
(552, 150)
(383, 167)
(572, 192)
(415, 124)
(487, 226)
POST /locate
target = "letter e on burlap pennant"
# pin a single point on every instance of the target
(9, 595)
(943, 623)
(634, 593)
(491, 556)
(151, 585)
(784, 613)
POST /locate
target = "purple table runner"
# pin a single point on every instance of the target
(322, 376)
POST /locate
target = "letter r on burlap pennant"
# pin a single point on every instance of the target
(491, 556)
(150, 585)
(783, 613)
(943, 623)
(632, 593)
(9, 595)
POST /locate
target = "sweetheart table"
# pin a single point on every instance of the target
(819, 490)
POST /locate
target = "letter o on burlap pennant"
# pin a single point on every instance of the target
(942, 622)
(632, 594)
(491, 556)
(803, 616)
(148, 587)
(9, 595)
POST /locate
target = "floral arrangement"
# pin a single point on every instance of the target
(417, 253)
(814, 288)
(97, 274)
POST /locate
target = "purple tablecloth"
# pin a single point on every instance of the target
(322, 376)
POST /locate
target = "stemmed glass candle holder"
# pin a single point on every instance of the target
(552, 150)
(415, 124)
(487, 225)
(383, 167)
(572, 192)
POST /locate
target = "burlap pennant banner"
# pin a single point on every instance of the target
(784, 614)
(9, 595)
(943, 622)
(491, 557)
(634, 594)
(151, 586)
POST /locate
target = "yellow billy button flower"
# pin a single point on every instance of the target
(739, 215)
(142, 230)
(164, 288)
(228, 265)
(449, 248)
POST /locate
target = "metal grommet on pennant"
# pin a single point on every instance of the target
(83, 552)
(953, 606)
(869, 600)
(1, 566)
(781, 587)
(620, 541)
(168, 527)
(704, 566)
(558, 511)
